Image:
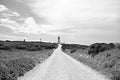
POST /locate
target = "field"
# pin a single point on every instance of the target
(16, 58)
(102, 57)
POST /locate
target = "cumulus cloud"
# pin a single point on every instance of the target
(6, 12)
(7, 19)
(86, 19)
(29, 25)
(3, 8)
(8, 23)
(79, 14)
(72, 12)
(72, 15)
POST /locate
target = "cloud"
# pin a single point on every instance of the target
(53, 29)
(78, 21)
(72, 15)
(10, 14)
(74, 12)
(6, 12)
(9, 23)
(3, 8)
(29, 26)
(9, 19)
(67, 17)
(10, 37)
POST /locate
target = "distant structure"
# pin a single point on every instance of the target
(58, 39)
(24, 40)
(40, 39)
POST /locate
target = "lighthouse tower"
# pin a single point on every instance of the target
(58, 39)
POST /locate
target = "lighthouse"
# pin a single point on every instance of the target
(58, 39)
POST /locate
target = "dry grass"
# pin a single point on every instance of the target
(15, 63)
(105, 58)
(16, 58)
(107, 62)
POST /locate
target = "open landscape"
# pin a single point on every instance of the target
(103, 57)
(59, 39)
(18, 57)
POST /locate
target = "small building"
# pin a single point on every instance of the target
(58, 39)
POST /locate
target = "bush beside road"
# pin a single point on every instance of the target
(102, 57)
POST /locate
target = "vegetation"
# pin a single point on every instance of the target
(109, 63)
(10, 70)
(30, 46)
(103, 57)
(18, 57)
(95, 48)
(73, 47)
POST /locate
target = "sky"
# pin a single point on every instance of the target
(75, 21)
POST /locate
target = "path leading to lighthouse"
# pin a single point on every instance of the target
(60, 66)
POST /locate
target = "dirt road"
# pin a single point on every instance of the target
(60, 66)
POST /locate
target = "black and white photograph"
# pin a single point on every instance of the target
(59, 39)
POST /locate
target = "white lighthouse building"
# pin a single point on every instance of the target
(58, 39)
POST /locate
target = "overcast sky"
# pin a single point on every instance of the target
(76, 21)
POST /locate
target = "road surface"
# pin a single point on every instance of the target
(60, 66)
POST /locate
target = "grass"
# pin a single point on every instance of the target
(14, 64)
(16, 58)
(30, 46)
(103, 57)
(109, 63)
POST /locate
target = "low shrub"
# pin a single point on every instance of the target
(21, 47)
(116, 75)
(4, 47)
(73, 46)
(10, 70)
(30, 46)
(117, 45)
(95, 48)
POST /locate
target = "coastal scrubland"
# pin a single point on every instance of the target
(18, 57)
(103, 57)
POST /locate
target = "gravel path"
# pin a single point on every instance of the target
(60, 66)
